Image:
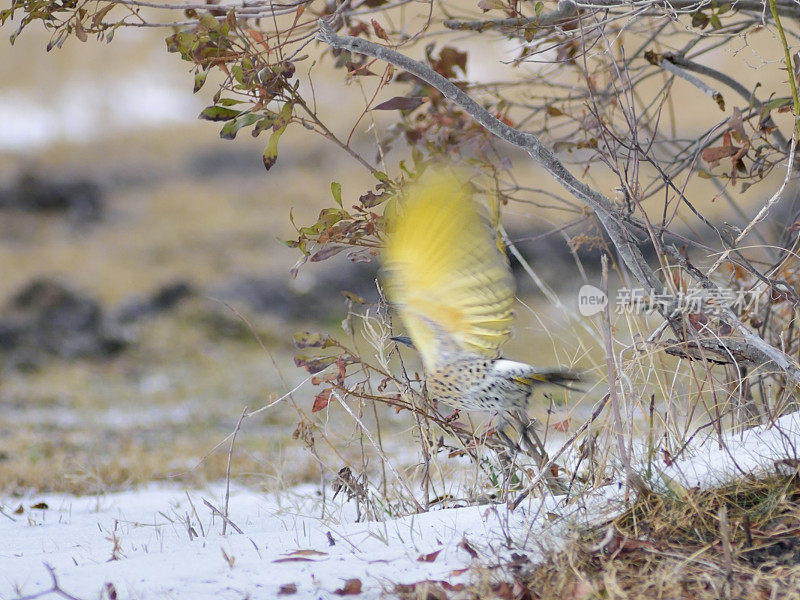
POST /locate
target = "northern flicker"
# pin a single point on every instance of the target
(452, 286)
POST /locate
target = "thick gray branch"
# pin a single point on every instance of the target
(567, 8)
(599, 204)
(759, 351)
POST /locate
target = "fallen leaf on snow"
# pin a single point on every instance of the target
(352, 587)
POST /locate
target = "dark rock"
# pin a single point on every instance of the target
(81, 198)
(215, 163)
(47, 319)
(315, 296)
(165, 298)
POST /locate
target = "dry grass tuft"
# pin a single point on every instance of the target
(735, 541)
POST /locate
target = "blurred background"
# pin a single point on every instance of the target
(137, 251)
(145, 296)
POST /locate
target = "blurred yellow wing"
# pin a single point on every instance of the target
(448, 279)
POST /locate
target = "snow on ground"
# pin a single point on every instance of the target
(282, 543)
(140, 542)
(708, 462)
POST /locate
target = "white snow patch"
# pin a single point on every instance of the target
(157, 557)
(709, 461)
(84, 109)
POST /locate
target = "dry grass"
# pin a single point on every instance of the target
(736, 541)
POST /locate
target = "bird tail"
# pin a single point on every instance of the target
(561, 377)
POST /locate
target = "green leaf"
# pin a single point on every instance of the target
(271, 151)
(98, 17)
(181, 42)
(314, 365)
(238, 73)
(218, 113)
(229, 101)
(773, 104)
(307, 339)
(231, 128)
(199, 80)
(209, 21)
(380, 175)
(700, 20)
(538, 8)
(264, 123)
(715, 22)
(336, 190)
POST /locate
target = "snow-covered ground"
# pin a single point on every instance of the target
(162, 542)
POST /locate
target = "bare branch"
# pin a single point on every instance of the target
(754, 347)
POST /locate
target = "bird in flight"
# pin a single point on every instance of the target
(452, 286)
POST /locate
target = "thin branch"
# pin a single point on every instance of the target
(725, 79)
(762, 214)
(228, 469)
(698, 83)
(224, 518)
(568, 444)
(755, 348)
(567, 8)
(55, 588)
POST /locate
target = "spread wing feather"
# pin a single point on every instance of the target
(445, 274)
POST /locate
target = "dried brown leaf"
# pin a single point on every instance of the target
(351, 587)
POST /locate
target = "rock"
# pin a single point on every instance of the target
(315, 296)
(164, 298)
(47, 319)
(79, 197)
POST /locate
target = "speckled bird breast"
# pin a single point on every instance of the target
(478, 384)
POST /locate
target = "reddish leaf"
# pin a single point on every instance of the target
(713, 155)
(379, 31)
(430, 557)
(287, 589)
(449, 58)
(736, 123)
(630, 544)
(371, 199)
(464, 545)
(326, 253)
(322, 400)
(352, 587)
(698, 320)
(562, 426)
(359, 70)
(292, 559)
(256, 35)
(401, 103)
(357, 29)
(309, 552)
(503, 590)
